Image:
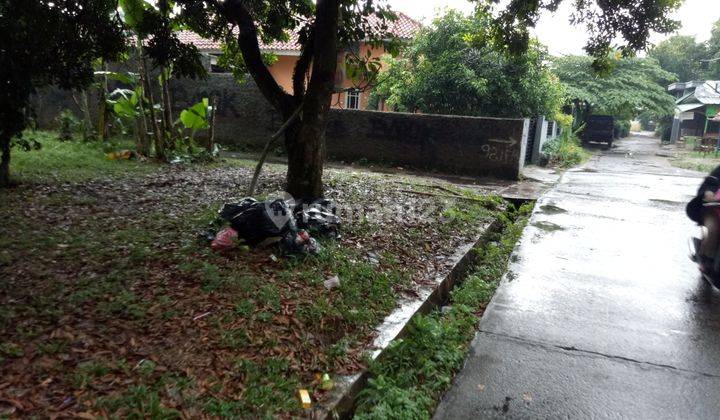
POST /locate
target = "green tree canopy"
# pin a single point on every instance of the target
(616, 25)
(682, 56)
(454, 68)
(633, 86)
(324, 29)
(48, 42)
(712, 71)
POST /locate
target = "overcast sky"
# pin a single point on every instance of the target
(555, 31)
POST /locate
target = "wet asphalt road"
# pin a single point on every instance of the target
(602, 314)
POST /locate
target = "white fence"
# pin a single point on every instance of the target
(542, 131)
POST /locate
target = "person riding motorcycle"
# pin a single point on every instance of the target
(708, 217)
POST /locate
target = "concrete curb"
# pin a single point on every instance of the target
(341, 403)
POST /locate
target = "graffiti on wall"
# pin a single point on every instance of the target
(428, 134)
(501, 150)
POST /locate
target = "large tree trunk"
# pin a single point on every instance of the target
(306, 152)
(304, 140)
(306, 155)
(305, 145)
(5, 161)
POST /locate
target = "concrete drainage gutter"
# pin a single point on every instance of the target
(341, 402)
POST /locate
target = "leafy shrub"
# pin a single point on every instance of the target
(68, 124)
(621, 129)
(565, 150)
(563, 120)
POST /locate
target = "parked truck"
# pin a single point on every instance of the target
(599, 129)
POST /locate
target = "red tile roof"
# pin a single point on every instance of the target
(404, 28)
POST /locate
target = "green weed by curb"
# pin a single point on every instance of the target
(413, 373)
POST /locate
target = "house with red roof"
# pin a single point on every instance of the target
(288, 52)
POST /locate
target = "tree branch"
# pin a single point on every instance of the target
(324, 58)
(266, 150)
(237, 13)
(303, 65)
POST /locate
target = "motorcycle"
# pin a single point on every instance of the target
(710, 270)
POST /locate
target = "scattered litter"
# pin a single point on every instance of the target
(287, 224)
(299, 242)
(121, 155)
(332, 282)
(139, 364)
(305, 398)
(225, 239)
(319, 218)
(373, 258)
(201, 316)
(327, 384)
(445, 309)
(273, 257)
(67, 402)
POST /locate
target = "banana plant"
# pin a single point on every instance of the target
(196, 117)
(127, 78)
(155, 27)
(125, 104)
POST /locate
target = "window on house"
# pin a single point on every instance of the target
(214, 66)
(352, 99)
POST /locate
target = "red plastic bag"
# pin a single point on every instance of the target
(226, 239)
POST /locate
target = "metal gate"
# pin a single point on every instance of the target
(530, 141)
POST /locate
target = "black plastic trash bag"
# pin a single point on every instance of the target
(230, 210)
(256, 221)
(318, 218)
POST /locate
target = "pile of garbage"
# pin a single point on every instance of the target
(288, 224)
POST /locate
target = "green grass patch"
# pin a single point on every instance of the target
(140, 402)
(73, 160)
(121, 262)
(413, 373)
(271, 387)
(689, 158)
(704, 164)
(463, 213)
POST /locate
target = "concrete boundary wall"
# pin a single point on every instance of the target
(447, 144)
(459, 145)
